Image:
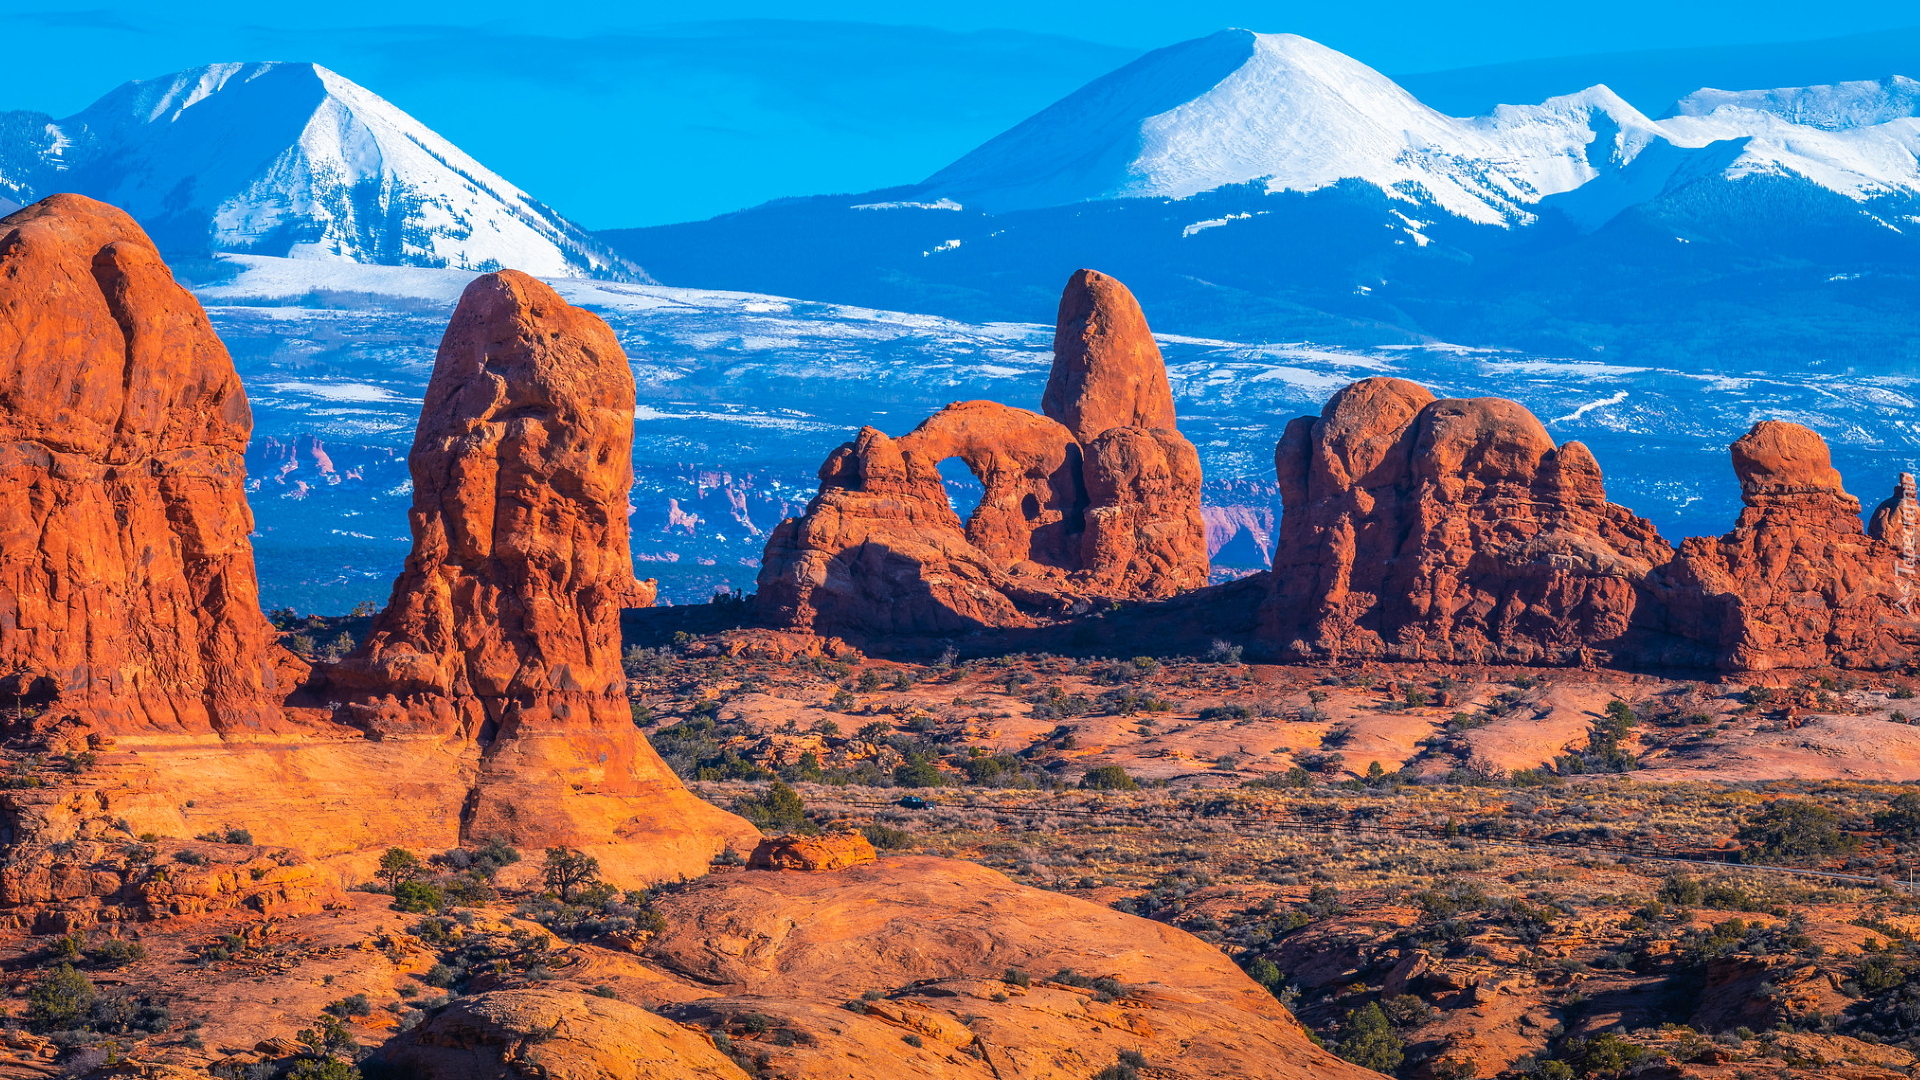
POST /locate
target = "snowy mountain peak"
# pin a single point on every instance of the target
(1238, 106)
(292, 159)
(1866, 103)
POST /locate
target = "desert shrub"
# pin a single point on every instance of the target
(887, 838)
(419, 897)
(1683, 890)
(1225, 712)
(1606, 750)
(1792, 831)
(355, 1005)
(1370, 1041)
(1109, 778)
(115, 953)
(597, 910)
(328, 1068)
(1105, 989)
(60, 1000)
(1603, 1057)
(488, 859)
(397, 867)
(920, 772)
(1901, 818)
(777, 809)
(567, 872)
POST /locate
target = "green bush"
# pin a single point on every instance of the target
(60, 1001)
(1901, 818)
(419, 897)
(919, 773)
(1370, 1041)
(887, 838)
(1793, 831)
(778, 809)
(1603, 1057)
(1109, 778)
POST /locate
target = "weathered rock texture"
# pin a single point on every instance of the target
(127, 593)
(504, 627)
(834, 851)
(1896, 523)
(1107, 371)
(1798, 582)
(1423, 529)
(1097, 499)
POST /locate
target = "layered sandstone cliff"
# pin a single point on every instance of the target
(1424, 529)
(127, 595)
(1097, 498)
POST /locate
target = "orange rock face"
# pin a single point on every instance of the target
(504, 628)
(1423, 529)
(1798, 582)
(1098, 499)
(127, 594)
(572, 1037)
(834, 851)
(924, 944)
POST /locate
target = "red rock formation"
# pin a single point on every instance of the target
(1419, 529)
(1798, 582)
(504, 627)
(1097, 499)
(127, 594)
(880, 551)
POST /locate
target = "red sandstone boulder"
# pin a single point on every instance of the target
(127, 592)
(1798, 582)
(1099, 499)
(834, 851)
(1418, 529)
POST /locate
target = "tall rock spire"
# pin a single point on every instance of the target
(1107, 371)
(127, 592)
(504, 626)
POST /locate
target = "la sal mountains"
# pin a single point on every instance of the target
(288, 159)
(1252, 186)
(1264, 187)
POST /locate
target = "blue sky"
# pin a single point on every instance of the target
(630, 114)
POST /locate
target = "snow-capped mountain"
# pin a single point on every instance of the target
(291, 159)
(1289, 113)
(1277, 108)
